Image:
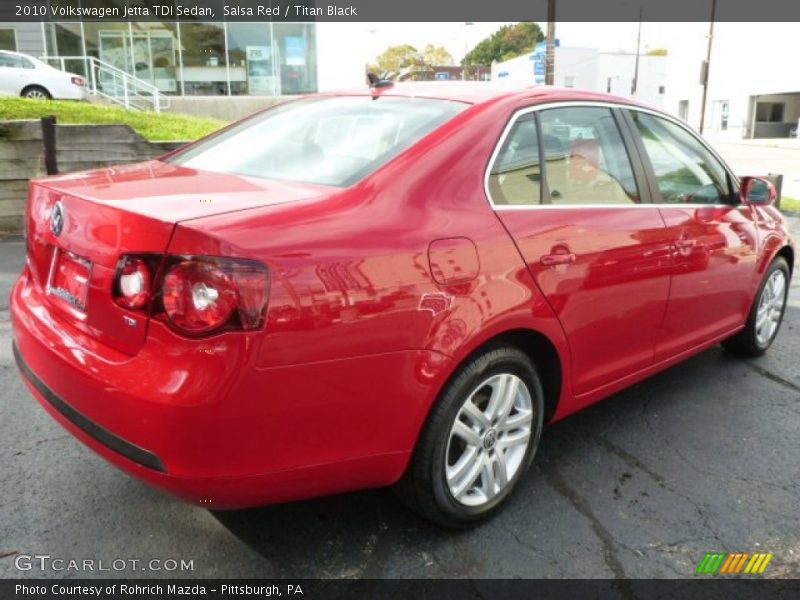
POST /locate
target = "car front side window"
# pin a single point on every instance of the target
(685, 171)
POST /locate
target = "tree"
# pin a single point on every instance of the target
(505, 43)
(395, 58)
(436, 56)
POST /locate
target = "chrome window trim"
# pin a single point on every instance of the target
(504, 207)
(610, 105)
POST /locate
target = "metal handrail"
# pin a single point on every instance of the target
(114, 84)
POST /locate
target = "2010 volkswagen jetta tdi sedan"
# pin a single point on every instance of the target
(399, 285)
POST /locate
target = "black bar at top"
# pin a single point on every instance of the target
(597, 11)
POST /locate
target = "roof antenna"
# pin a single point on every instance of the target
(376, 82)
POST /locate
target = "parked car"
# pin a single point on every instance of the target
(22, 75)
(391, 286)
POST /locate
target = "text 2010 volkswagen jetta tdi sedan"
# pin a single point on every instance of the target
(400, 285)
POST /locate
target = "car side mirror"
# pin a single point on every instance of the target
(757, 191)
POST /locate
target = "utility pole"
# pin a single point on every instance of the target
(635, 83)
(707, 66)
(550, 56)
(466, 50)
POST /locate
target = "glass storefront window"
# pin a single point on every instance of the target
(8, 40)
(205, 69)
(65, 40)
(298, 57)
(252, 60)
(194, 59)
(154, 47)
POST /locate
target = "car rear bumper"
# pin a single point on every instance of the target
(71, 91)
(196, 418)
(96, 432)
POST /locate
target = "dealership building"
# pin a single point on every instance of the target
(193, 59)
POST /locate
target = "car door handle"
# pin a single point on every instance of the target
(684, 243)
(550, 260)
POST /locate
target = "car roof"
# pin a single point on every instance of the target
(473, 92)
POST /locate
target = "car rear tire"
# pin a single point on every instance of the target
(478, 440)
(766, 314)
(36, 92)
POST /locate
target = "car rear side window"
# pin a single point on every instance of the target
(516, 175)
(685, 170)
(11, 61)
(585, 160)
(331, 141)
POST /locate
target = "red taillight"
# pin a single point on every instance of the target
(132, 286)
(78, 81)
(198, 295)
(201, 295)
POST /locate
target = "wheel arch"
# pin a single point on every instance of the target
(540, 348)
(542, 352)
(35, 85)
(787, 252)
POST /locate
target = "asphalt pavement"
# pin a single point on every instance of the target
(703, 457)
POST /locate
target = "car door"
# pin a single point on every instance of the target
(11, 75)
(714, 237)
(564, 184)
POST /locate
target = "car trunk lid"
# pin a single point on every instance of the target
(79, 225)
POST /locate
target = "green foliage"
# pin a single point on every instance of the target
(791, 204)
(505, 43)
(395, 58)
(657, 52)
(435, 56)
(153, 126)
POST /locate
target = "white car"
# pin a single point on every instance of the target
(22, 75)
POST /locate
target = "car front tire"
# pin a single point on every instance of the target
(478, 441)
(766, 314)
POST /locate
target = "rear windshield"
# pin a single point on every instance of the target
(331, 141)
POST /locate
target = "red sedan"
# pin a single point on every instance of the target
(399, 285)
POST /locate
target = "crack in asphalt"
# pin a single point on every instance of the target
(685, 460)
(632, 461)
(38, 443)
(610, 544)
(700, 511)
(378, 553)
(773, 377)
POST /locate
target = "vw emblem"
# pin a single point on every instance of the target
(57, 219)
(490, 439)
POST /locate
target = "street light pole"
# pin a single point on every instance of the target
(550, 55)
(707, 66)
(466, 46)
(635, 85)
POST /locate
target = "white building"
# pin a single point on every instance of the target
(754, 79)
(591, 69)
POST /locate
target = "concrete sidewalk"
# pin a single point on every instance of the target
(746, 157)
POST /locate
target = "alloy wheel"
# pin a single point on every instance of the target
(489, 439)
(770, 307)
(36, 95)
